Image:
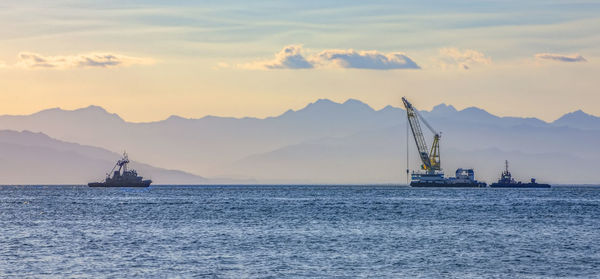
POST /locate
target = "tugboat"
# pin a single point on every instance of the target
(128, 178)
(506, 181)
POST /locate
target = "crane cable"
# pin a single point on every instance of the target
(407, 139)
(426, 123)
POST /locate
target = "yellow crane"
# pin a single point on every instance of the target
(431, 158)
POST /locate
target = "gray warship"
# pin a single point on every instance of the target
(127, 178)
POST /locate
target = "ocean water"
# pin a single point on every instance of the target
(298, 232)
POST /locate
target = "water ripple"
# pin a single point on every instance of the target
(298, 231)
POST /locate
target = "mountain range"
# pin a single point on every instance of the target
(324, 142)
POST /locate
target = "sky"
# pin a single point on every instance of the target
(147, 60)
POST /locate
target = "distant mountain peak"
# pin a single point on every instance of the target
(353, 102)
(443, 108)
(175, 118)
(93, 108)
(89, 109)
(357, 104)
(323, 102)
(389, 108)
(326, 104)
(577, 114)
(323, 108)
(580, 113)
(320, 103)
(579, 119)
(477, 110)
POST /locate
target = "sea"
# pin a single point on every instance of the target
(295, 231)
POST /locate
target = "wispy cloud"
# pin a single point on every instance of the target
(464, 59)
(30, 60)
(560, 57)
(293, 57)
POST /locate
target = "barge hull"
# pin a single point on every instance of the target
(121, 185)
(495, 185)
(448, 185)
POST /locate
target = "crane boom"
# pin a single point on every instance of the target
(431, 160)
(415, 126)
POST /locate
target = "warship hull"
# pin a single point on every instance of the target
(145, 183)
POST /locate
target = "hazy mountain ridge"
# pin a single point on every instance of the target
(351, 133)
(196, 145)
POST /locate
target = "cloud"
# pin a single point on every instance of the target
(560, 57)
(371, 59)
(31, 60)
(464, 59)
(292, 57)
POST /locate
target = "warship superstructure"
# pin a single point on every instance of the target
(431, 174)
(122, 177)
(506, 181)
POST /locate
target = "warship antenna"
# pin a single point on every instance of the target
(125, 160)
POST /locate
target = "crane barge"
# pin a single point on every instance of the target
(432, 174)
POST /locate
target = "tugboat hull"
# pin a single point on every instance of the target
(520, 185)
(145, 183)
